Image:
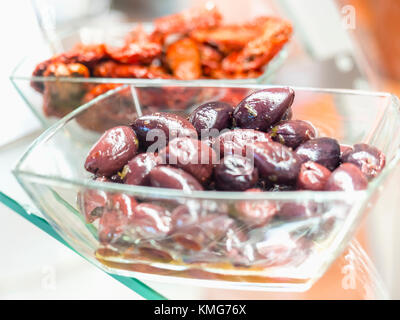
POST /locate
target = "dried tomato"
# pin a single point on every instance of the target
(261, 50)
(188, 20)
(61, 97)
(183, 57)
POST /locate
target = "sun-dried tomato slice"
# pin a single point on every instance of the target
(38, 72)
(59, 69)
(87, 55)
(183, 57)
(98, 90)
(188, 20)
(230, 38)
(140, 47)
(210, 58)
(61, 97)
(261, 50)
(222, 74)
(135, 52)
(112, 69)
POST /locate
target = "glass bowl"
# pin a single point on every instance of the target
(289, 254)
(66, 93)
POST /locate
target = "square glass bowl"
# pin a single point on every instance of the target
(288, 254)
(64, 94)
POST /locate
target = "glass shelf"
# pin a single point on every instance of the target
(133, 284)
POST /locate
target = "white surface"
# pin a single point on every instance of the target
(35, 266)
(19, 34)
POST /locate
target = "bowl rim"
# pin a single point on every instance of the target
(205, 195)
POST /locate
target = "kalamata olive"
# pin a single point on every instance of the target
(292, 133)
(325, 151)
(235, 173)
(237, 141)
(182, 217)
(281, 188)
(112, 151)
(255, 213)
(151, 221)
(288, 114)
(312, 176)
(344, 148)
(297, 210)
(279, 248)
(262, 109)
(156, 254)
(92, 203)
(233, 247)
(123, 203)
(116, 178)
(208, 230)
(112, 226)
(136, 171)
(193, 211)
(191, 155)
(102, 179)
(212, 115)
(173, 178)
(158, 128)
(347, 177)
(368, 159)
(276, 163)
